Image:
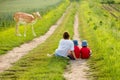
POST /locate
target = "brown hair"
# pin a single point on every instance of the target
(66, 35)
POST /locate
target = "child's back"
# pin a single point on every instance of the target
(85, 51)
(76, 49)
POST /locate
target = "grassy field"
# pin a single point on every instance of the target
(37, 65)
(8, 39)
(112, 9)
(102, 31)
(110, 1)
(97, 25)
(25, 5)
(8, 8)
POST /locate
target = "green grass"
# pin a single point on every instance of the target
(103, 34)
(37, 65)
(117, 6)
(112, 10)
(8, 8)
(8, 39)
(23, 5)
(109, 1)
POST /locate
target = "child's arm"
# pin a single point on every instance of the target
(73, 54)
(90, 52)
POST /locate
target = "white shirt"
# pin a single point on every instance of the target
(64, 46)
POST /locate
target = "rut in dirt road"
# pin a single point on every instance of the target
(14, 55)
(76, 69)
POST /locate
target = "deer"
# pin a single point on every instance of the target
(25, 18)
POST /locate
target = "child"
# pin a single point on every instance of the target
(85, 51)
(76, 49)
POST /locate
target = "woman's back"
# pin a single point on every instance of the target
(64, 46)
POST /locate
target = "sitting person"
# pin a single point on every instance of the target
(66, 47)
(85, 51)
(76, 49)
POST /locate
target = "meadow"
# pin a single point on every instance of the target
(25, 5)
(37, 65)
(8, 39)
(8, 8)
(102, 30)
(97, 25)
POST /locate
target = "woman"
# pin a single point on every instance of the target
(66, 47)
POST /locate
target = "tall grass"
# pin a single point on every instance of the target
(109, 1)
(37, 65)
(8, 39)
(103, 35)
(8, 8)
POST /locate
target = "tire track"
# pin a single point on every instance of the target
(76, 70)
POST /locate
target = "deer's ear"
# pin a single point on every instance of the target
(38, 13)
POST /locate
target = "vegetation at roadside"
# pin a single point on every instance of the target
(37, 65)
(102, 31)
(8, 8)
(109, 1)
(8, 39)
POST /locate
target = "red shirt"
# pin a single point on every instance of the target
(77, 51)
(85, 52)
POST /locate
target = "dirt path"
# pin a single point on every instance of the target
(76, 69)
(15, 54)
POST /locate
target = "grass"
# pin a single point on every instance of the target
(8, 39)
(8, 8)
(102, 32)
(37, 65)
(109, 1)
(23, 5)
(112, 10)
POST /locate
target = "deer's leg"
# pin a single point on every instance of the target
(33, 31)
(25, 30)
(17, 30)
